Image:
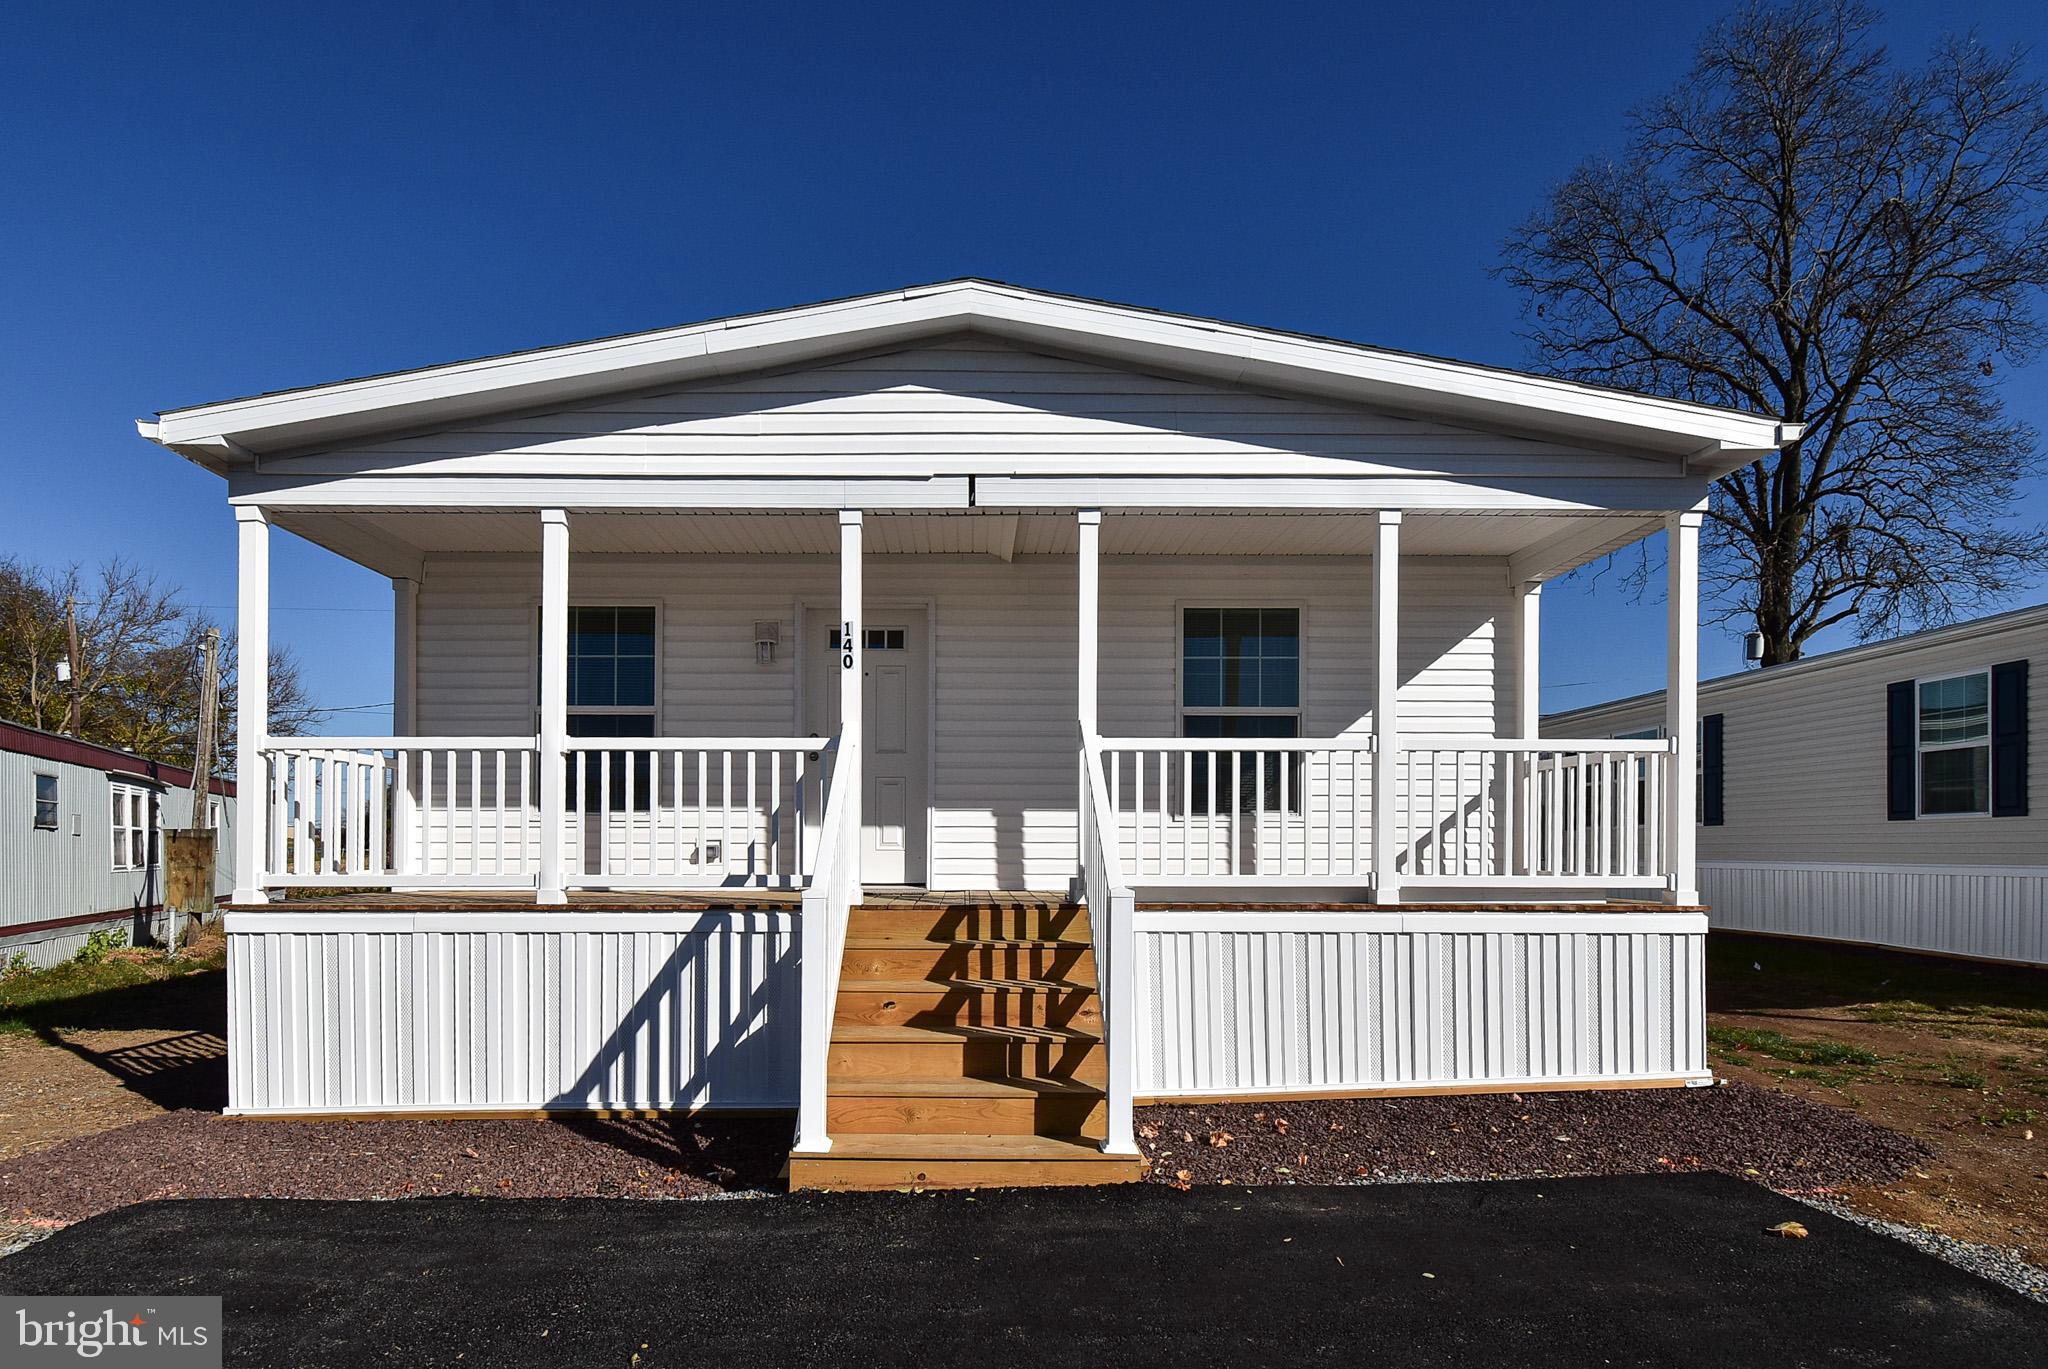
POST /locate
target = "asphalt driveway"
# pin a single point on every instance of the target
(1665, 1270)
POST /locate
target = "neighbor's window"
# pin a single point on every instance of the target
(46, 803)
(130, 827)
(1955, 744)
(1240, 676)
(611, 693)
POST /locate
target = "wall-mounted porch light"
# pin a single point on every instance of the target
(766, 634)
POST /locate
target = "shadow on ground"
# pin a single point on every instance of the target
(1666, 1271)
(1752, 973)
(184, 1068)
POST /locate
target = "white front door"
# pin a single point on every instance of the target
(896, 723)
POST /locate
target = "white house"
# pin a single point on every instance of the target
(1880, 794)
(956, 714)
(80, 843)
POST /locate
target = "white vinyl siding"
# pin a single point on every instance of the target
(968, 407)
(1004, 663)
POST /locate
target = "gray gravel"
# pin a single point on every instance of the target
(1992, 1262)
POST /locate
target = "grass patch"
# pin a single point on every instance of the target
(2007, 1117)
(73, 994)
(1958, 1076)
(1778, 1046)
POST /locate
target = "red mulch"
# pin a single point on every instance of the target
(191, 1154)
(1790, 1143)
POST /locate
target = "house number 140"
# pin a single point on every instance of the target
(846, 646)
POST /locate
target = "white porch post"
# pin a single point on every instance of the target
(554, 698)
(1386, 708)
(405, 722)
(1529, 665)
(252, 702)
(1087, 615)
(852, 668)
(1681, 700)
(1518, 835)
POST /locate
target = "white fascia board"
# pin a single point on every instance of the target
(591, 493)
(1233, 353)
(1589, 494)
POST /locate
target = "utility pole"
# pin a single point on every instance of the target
(209, 714)
(191, 854)
(71, 628)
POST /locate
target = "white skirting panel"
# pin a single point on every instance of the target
(1990, 912)
(1247, 1002)
(383, 1012)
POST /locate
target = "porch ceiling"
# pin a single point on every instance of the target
(1540, 546)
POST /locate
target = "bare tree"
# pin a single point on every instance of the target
(138, 679)
(1803, 229)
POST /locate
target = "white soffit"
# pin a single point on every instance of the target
(231, 434)
(1535, 546)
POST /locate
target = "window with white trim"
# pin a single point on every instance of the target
(131, 827)
(611, 692)
(1240, 676)
(46, 802)
(1954, 737)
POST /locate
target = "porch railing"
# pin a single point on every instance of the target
(659, 813)
(464, 812)
(1542, 814)
(426, 811)
(1112, 913)
(826, 911)
(1205, 810)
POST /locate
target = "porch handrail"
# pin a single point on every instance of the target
(826, 909)
(1112, 909)
(1235, 743)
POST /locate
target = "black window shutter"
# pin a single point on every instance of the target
(1901, 758)
(2009, 740)
(1710, 770)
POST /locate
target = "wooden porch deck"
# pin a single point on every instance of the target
(880, 899)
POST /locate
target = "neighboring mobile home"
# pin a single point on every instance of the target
(79, 844)
(955, 715)
(1881, 794)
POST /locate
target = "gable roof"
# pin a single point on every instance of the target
(231, 434)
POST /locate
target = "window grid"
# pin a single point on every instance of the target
(46, 802)
(131, 827)
(1953, 735)
(1241, 678)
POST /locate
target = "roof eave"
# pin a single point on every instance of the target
(1232, 353)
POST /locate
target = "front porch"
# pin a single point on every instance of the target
(584, 917)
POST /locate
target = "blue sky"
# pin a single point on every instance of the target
(210, 200)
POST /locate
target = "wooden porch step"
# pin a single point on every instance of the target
(936, 1052)
(1021, 920)
(966, 1106)
(972, 1002)
(914, 1160)
(984, 959)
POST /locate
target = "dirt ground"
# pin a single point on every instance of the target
(139, 1041)
(1951, 1053)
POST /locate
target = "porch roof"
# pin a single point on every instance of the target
(1703, 440)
